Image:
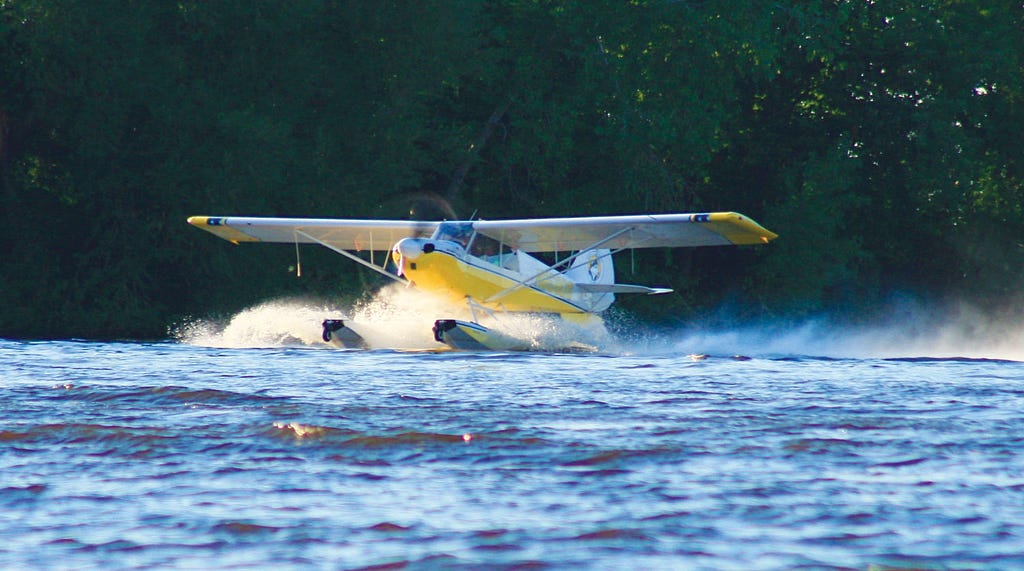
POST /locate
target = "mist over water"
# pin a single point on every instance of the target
(397, 317)
(910, 330)
(956, 337)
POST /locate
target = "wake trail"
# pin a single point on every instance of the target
(960, 333)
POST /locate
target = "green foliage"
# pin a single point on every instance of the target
(880, 140)
(820, 263)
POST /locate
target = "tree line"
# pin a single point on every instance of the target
(879, 139)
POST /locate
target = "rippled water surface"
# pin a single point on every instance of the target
(133, 455)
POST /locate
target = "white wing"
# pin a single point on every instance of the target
(340, 234)
(529, 235)
(623, 232)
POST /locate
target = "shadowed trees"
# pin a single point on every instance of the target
(880, 141)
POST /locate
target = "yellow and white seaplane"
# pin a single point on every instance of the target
(487, 266)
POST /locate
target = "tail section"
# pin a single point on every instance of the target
(594, 274)
(594, 267)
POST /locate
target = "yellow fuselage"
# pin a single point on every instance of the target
(465, 278)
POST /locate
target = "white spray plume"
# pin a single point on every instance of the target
(397, 317)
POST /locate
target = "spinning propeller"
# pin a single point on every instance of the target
(415, 205)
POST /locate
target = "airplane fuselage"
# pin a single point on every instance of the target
(511, 281)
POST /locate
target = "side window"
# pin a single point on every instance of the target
(484, 247)
(493, 252)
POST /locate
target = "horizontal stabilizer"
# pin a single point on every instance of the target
(621, 288)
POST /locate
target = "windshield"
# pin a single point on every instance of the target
(454, 231)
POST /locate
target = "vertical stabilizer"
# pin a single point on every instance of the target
(594, 268)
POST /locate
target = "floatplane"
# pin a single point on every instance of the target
(494, 267)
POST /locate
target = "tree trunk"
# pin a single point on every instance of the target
(460, 174)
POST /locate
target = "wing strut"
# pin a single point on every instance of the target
(355, 258)
(527, 282)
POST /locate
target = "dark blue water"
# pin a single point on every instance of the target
(167, 455)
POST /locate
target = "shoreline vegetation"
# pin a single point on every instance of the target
(879, 140)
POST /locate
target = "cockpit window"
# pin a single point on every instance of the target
(484, 246)
(493, 252)
(459, 232)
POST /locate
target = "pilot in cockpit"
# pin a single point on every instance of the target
(459, 233)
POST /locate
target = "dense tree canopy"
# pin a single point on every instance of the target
(879, 139)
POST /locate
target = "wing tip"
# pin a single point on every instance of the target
(216, 226)
(744, 230)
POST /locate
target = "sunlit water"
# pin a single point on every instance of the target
(285, 454)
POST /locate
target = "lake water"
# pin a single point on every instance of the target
(186, 455)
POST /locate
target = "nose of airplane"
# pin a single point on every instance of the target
(406, 251)
(409, 248)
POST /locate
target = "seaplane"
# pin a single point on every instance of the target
(561, 267)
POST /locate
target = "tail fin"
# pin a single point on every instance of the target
(591, 270)
(594, 267)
